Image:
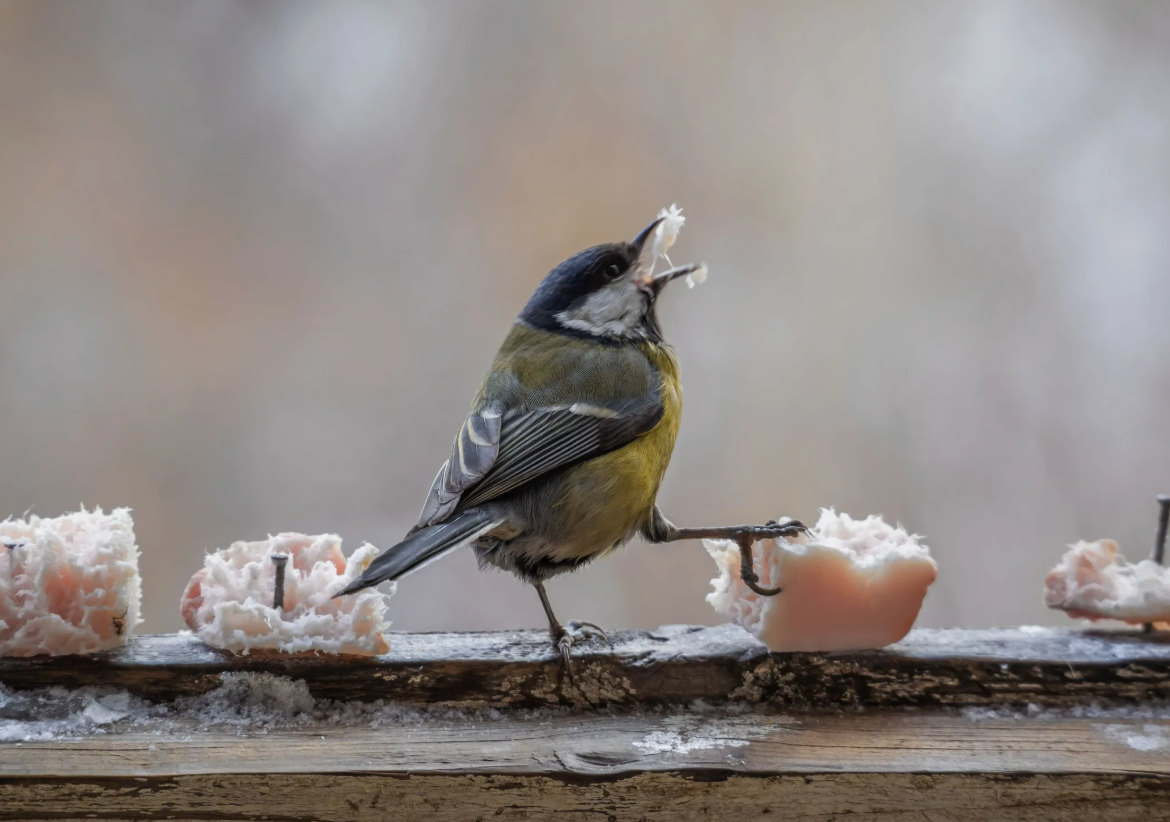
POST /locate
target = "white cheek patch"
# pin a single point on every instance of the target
(614, 311)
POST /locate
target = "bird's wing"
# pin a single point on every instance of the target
(499, 451)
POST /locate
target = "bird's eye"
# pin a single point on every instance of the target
(613, 271)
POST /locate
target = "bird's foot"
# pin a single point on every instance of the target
(772, 529)
(747, 535)
(736, 533)
(569, 634)
(661, 530)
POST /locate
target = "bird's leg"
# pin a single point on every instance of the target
(660, 530)
(563, 636)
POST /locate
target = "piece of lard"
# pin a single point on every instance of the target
(665, 235)
(68, 585)
(667, 231)
(847, 585)
(1094, 581)
(229, 603)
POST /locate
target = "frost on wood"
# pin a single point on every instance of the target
(1094, 581)
(250, 702)
(68, 585)
(229, 602)
(847, 585)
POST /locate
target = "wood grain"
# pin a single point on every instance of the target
(865, 736)
(642, 797)
(673, 664)
(604, 746)
(936, 766)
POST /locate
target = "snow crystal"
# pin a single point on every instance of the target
(68, 585)
(683, 734)
(1143, 738)
(847, 585)
(1146, 710)
(30, 716)
(229, 603)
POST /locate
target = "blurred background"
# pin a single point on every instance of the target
(255, 258)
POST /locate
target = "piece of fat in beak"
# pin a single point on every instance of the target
(667, 231)
(698, 276)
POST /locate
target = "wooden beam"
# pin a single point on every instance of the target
(673, 664)
(857, 797)
(770, 742)
(902, 766)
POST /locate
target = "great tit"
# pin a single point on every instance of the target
(560, 460)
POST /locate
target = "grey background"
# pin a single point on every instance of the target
(255, 258)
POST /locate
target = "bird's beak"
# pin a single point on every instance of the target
(639, 242)
(656, 282)
(652, 284)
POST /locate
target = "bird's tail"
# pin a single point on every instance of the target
(422, 547)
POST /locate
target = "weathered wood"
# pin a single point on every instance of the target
(673, 664)
(598, 745)
(857, 797)
(715, 765)
(778, 760)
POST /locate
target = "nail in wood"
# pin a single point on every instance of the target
(280, 561)
(1160, 540)
(1163, 521)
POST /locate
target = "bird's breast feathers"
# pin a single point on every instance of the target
(588, 427)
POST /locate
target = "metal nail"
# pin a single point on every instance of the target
(280, 561)
(1159, 553)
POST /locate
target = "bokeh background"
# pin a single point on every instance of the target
(256, 256)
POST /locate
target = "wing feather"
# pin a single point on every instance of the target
(496, 453)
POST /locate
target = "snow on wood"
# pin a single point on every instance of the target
(671, 665)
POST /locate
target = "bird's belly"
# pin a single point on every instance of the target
(592, 508)
(602, 503)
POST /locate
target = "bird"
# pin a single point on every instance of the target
(560, 459)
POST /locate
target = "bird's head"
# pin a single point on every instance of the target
(605, 292)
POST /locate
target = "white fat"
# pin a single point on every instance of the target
(847, 585)
(698, 276)
(68, 585)
(667, 231)
(665, 236)
(229, 602)
(1094, 581)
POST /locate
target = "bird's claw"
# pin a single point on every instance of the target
(565, 646)
(572, 632)
(773, 529)
(580, 629)
(748, 537)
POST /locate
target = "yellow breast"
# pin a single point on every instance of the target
(604, 501)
